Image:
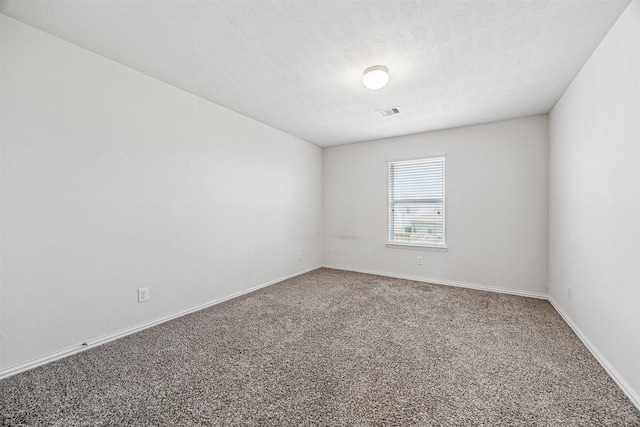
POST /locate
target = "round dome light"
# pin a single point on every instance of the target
(375, 77)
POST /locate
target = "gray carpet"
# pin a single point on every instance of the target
(333, 348)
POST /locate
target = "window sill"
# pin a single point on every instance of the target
(418, 247)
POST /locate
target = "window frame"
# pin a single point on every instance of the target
(390, 216)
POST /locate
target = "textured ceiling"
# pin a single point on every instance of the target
(297, 65)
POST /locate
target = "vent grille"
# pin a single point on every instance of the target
(389, 111)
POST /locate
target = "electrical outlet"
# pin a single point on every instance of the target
(569, 292)
(419, 260)
(299, 255)
(143, 294)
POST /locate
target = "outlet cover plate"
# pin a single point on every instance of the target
(143, 294)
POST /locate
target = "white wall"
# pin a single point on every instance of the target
(594, 200)
(112, 181)
(496, 206)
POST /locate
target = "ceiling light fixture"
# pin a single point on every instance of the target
(375, 77)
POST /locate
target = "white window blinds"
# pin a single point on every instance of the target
(416, 202)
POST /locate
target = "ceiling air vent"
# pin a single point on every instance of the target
(389, 111)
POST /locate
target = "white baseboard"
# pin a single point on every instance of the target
(476, 286)
(633, 396)
(16, 369)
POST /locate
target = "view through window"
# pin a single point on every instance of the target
(416, 202)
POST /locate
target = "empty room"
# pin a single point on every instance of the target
(331, 213)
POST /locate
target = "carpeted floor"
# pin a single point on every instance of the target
(333, 348)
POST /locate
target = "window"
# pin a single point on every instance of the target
(416, 202)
